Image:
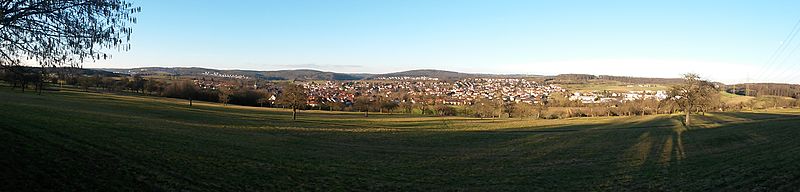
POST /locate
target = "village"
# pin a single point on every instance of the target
(466, 91)
(463, 92)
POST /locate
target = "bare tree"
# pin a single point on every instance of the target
(693, 94)
(407, 107)
(184, 90)
(225, 95)
(364, 103)
(390, 106)
(188, 91)
(293, 96)
(153, 85)
(486, 108)
(64, 32)
(523, 110)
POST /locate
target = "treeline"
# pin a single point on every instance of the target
(763, 89)
(583, 78)
(24, 77)
(641, 80)
(556, 106)
(179, 88)
(575, 77)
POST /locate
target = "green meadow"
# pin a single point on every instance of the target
(78, 141)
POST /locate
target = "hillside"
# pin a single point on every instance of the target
(60, 70)
(587, 78)
(304, 74)
(441, 74)
(450, 75)
(599, 85)
(300, 74)
(307, 74)
(733, 99)
(776, 89)
(76, 141)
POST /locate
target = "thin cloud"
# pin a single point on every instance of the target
(318, 66)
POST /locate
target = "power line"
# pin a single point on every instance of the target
(785, 68)
(779, 51)
(794, 77)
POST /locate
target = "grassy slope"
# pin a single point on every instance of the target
(81, 141)
(733, 99)
(615, 86)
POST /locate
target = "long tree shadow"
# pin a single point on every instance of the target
(576, 159)
(692, 157)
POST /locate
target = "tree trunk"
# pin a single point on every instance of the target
(190, 102)
(366, 113)
(294, 113)
(686, 120)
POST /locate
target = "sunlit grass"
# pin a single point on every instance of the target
(81, 141)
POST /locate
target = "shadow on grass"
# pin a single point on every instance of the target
(703, 159)
(215, 146)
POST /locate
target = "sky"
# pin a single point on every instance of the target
(730, 41)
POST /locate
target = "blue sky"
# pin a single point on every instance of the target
(726, 41)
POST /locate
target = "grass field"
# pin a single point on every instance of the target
(614, 86)
(733, 99)
(75, 141)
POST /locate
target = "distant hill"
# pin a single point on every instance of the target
(305, 74)
(62, 70)
(300, 74)
(308, 74)
(449, 75)
(441, 74)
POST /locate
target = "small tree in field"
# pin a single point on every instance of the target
(363, 103)
(390, 106)
(539, 108)
(225, 95)
(407, 107)
(486, 108)
(693, 94)
(523, 110)
(186, 90)
(293, 96)
(180, 89)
